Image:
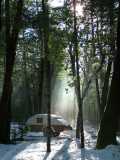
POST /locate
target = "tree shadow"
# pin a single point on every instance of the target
(18, 148)
(82, 150)
(82, 154)
(63, 152)
(46, 156)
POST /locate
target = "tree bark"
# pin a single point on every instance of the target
(105, 88)
(27, 86)
(11, 43)
(79, 125)
(0, 15)
(40, 89)
(47, 71)
(109, 122)
(98, 95)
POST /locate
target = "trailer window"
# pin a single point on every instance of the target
(39, 120)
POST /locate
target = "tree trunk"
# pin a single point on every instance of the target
(79, 125)
(98, 95)
(27, 86)
(109, 122)
(41, 80)
(0, 15)
(105, 89)
(72, 60)
(47, 71)
(11, 43)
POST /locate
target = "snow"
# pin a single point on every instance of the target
(64, 147)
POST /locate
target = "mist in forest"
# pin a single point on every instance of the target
(64, 100)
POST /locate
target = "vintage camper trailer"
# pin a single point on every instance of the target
(38, 123)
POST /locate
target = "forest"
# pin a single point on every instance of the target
(60, 61)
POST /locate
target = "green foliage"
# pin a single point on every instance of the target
(30, 53)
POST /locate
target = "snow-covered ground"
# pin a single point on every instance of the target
(65, 147)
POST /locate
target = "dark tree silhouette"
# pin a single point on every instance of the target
(109, 122)
(11, 44)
